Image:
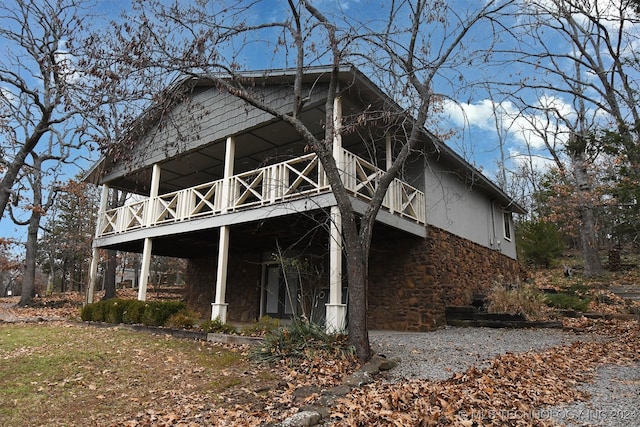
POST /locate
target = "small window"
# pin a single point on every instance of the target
(507, 225)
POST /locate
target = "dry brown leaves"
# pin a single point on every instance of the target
(512, 391)
(247, 406)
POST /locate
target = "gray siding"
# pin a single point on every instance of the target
(454, 206)
(209, 116)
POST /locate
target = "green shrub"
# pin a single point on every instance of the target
(95, 312)
(300, 340)
(263, 326)
(156, 313)
(181, 320)
(538, 242)
(567, 302)
(216, 326)
(132, 315)
(113, 310)
(86, 312)
(153, 313)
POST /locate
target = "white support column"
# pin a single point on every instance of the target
(155, 180)
(219, 307)
(335, 309)
(337, 137)
(95, 253)
(388, 151)
(144, 269)
(153, 193)
(93, 274)
(229, 160)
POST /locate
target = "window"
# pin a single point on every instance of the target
(507, 225)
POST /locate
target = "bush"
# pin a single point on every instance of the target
(181, 320)
(300, 340)
(153, 313)
(156, 313)
(523, 300)
(538, 242)
(132, 315)
(566, 301)
(263, 326)
(216, 326)
(113, 311)
(86, 312)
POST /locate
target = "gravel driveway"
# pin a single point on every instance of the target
(439, 354)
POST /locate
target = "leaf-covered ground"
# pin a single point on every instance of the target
(58, 373)
(517, 389)
(63, 374)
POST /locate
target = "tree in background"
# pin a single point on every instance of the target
(117, 199)
(539, 242)
(41, 88)
(65, 246)
(623, 177)
(41, 112)
(573, 71)
(10, 269)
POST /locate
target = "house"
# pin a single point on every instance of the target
(233, 190)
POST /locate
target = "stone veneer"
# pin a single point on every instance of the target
(412, 280)
(243, 285)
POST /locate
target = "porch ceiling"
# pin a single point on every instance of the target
(268, 143)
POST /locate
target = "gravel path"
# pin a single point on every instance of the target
(615, 400)
(439, 354)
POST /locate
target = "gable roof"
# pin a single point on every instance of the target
(349, 77)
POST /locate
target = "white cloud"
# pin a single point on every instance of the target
(66, 62)
(531, 162)
(529, 129)
(8, 97)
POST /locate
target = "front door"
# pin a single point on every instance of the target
(281, 296)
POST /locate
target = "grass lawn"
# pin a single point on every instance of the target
(60, 374)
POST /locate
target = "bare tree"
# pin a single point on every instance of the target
(583, 44)
(161, 42)
(38, 80)
(580, 53)
(65, 244)
(37, 207)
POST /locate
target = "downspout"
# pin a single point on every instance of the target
(493, 238)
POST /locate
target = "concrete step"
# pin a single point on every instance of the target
(632, 293)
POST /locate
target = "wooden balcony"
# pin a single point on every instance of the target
(298, 178)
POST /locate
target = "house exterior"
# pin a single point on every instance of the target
(233, 190)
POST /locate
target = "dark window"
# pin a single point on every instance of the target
(507, 225)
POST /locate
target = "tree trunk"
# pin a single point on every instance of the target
(357, 275)
(589, 243)
(588, 233)
(63, 276)
(110, 275)
(29, 279)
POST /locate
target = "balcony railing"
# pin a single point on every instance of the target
(293, 179)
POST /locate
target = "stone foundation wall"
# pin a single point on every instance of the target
(464, 268)
(412, 280)
(243, 285)
(403, 293)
